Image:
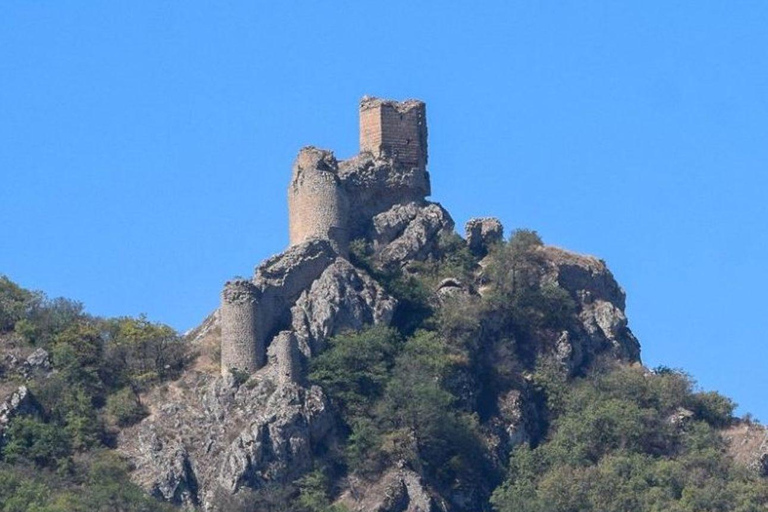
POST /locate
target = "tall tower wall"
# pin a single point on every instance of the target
(317, 204)
(242, 345)
(397, 130)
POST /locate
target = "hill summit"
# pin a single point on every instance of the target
(384, 363)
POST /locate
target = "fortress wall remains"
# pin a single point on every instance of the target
(317, 204)
(285, 355)
(396, 130)
(242, 346)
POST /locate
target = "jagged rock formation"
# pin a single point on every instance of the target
(600, 305)
(342, 298)
(20, 402)
(482, 234)
(399, 489)
(211, 437)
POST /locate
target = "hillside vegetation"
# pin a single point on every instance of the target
(471, 391)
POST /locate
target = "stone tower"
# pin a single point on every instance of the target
(242, 346)
(317, 203)
(396, 130)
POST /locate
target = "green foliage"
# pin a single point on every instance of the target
(103, 486)
(31, 439)
(355, 368)
(44, 319)
(55, 462)
(712, 407)
(611, 448)
(240, 376)
(125, 408)
(394, 400)
(315, 493)
(14, 303)
(140, 352)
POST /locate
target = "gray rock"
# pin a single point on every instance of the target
(747, 444)
(409, 232)
(397, 490)
(38, 363)
(374, 185)
(20, 402)
(206, 436)
(602, 324)
(342, 298)
(482, 234)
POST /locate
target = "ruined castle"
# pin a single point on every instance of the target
(330, 202)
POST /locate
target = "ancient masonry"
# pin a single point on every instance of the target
(327, 201)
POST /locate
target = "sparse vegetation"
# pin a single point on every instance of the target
(59, 459)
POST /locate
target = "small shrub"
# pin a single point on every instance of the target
(125, 408)
(240, 376)
(31, 439)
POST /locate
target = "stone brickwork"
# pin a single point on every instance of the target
(329, 203)
(285, 354)
(396, 130)
(317, 204)
(242, 347)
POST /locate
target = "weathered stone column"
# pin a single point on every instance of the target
(284, 350)
(241, 346)
(317, 204)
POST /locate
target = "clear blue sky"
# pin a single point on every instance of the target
(146, 146)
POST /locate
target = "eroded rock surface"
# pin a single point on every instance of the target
(374, 185)
(208, 436)
(20, 402)
(600, 302)
(482, 234)
(748, 445)
(342, 298)
(409, 232)
(397, 490)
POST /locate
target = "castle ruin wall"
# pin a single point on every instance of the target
(242, 347)
(396, 130)
(317, 204)
(285, 356)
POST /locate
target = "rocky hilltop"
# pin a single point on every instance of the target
(382, 362)
(209, 436)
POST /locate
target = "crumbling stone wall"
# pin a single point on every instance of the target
(252, 311)
(242, 347)
(286, 357)
(396, 130)
(317, 204)
(328, 203)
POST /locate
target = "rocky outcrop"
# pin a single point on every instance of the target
(748, 445)
(207, 436)
(409, 232)
(374, 185)
(342, 298)
(600, 301)
(20, 402)
(482, 234)
(397, 490)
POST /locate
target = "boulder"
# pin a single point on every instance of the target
(20, 402)
(482, 234)
(397, 490)
(601, 323)
(409, 232)
(342, 298)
